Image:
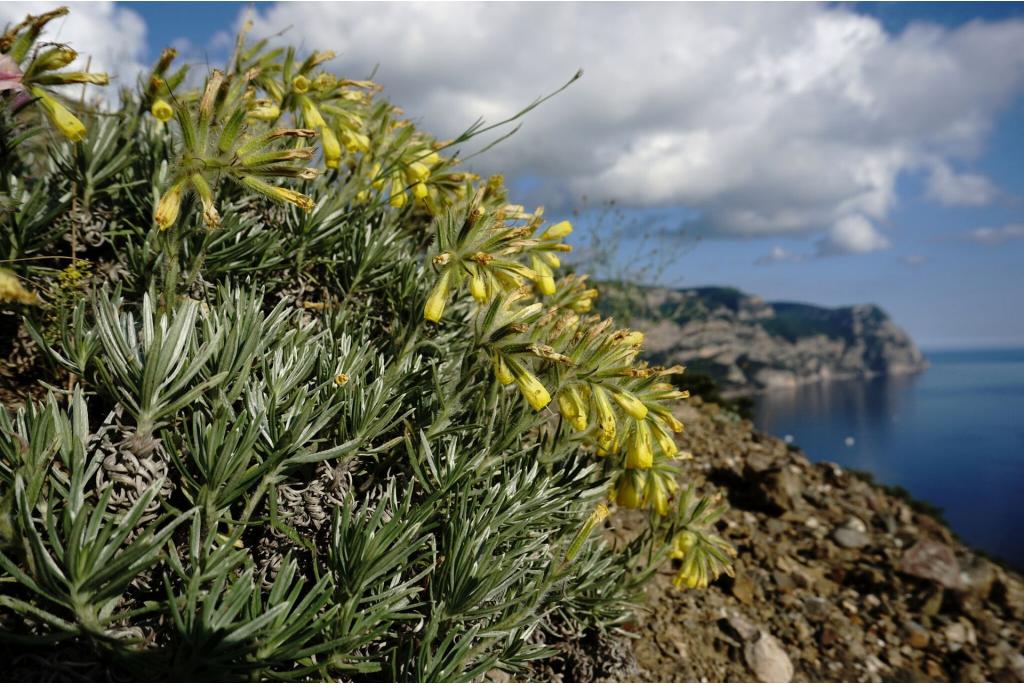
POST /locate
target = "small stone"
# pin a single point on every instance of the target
(850, 538)
(916, 634)
(768, 660)
(743, 588)
(856, 524)
(932, 561)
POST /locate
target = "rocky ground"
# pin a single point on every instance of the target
(836, 580)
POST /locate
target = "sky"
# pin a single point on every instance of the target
(833, 153)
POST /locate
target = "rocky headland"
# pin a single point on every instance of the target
(749, 345)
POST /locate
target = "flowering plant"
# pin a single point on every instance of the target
(314, 402)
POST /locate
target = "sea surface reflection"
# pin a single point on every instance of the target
(953, 436)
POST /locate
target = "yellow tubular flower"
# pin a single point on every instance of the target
(543, 277)
(657, 496)
(674, 424)
(397, 193)
(332, 148)
(268, 112)
(638, 449)
(571, 407)
(168, 206)
(552, 259)
(682, 544)
(691, 574)
(628, 490)
(559, 230)
(355, 142)
(211, 216)
(501, 371)
(60, 116)
(311, 115)
(431, 160)
(605, 415)
(633, 406)
(377, 181)
(162, 110)
(300, 84)
(417, 172)
(635, 338)
(478, 288)
(533, 390)
(278, 193)
(665, 442)
(434, 307)
(419, 190)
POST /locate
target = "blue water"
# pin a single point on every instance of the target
(952, 436)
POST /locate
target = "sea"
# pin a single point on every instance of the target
(952, 436)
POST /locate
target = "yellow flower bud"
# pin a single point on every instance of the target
(362, 196)
(341, 379)
(417, 172)
(162, 110)
(324, 81)
(300, 84)
(633, 406)
(638, 449)
(332, 148)
(375, 177)
(434, 307)
(57, 58)
(397, 193)
(501, 371)
(60, 116)
(559, 230)
(478, 288)
(168, 206)
(533, 390)
(419, 190)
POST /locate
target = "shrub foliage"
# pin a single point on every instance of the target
(299, 397)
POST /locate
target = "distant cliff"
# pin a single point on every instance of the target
(749, 345)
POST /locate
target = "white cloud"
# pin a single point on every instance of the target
(996, 236)
(768, 119)
(955, 189)
(852, 235)
(779, 255)
(764, 119)
(106, 36)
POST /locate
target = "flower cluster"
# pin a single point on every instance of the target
(29, 75)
